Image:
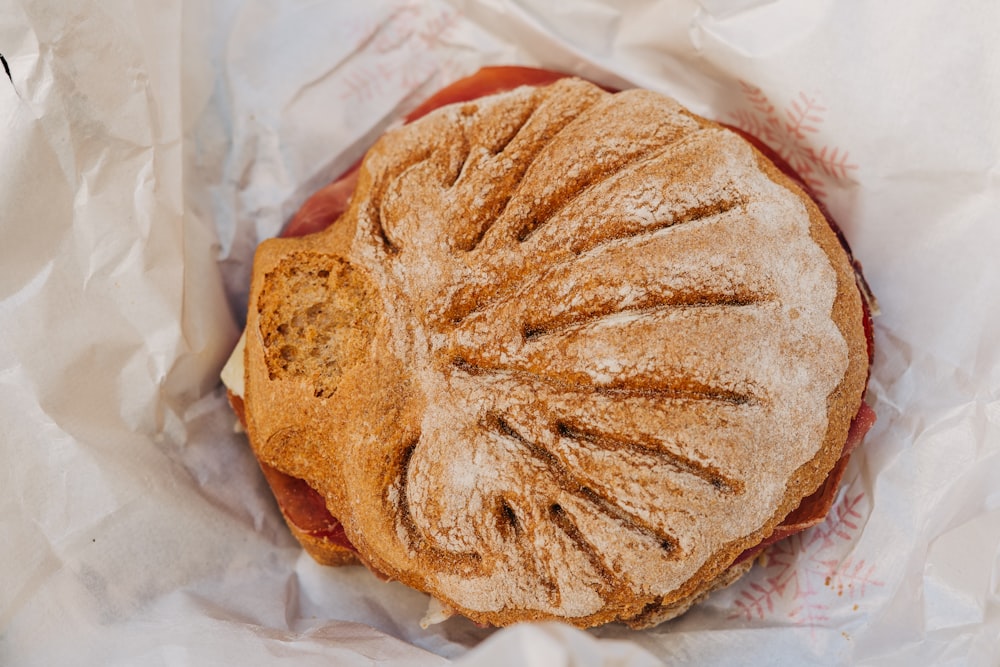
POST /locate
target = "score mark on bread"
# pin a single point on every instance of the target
(566, 355)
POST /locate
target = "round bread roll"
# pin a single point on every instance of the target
(567, 355)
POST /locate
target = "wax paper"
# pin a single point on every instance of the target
(145, 149)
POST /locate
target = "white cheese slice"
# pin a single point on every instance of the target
(436, 613)
(232, 373)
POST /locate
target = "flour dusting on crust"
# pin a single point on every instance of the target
(608, 348)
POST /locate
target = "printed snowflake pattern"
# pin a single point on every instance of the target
(803, 575)
(401, 50)
(789, 132)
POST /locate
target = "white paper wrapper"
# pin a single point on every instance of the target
(145, 150)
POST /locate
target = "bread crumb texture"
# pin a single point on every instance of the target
(314, 314)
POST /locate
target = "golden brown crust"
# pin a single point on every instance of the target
(321, 550)
(567, 355)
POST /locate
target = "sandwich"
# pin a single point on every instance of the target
(552, 352)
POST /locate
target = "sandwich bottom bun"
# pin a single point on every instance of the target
(564, 354)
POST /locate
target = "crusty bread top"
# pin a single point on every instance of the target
(567, 354)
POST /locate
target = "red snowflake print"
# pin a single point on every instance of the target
(800, 578)
(790, 132)
(413, 21)
(401, 52)
(841, 523)
(365, 83)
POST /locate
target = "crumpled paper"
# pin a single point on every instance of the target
(145, 150)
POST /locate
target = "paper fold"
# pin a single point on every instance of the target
(146, 149)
